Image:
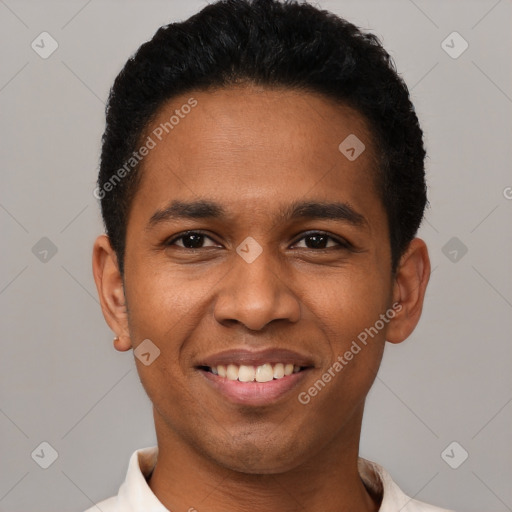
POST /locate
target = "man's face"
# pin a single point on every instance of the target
(256, 280)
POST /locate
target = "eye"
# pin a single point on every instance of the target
(319, 240)
(313, 240)
(191, 240)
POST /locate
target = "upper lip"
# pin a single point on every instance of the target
(256, 358)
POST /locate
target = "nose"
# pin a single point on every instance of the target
(256, 293)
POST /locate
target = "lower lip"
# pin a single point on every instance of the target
(254, 393)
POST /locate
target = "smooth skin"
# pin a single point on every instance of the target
(254, 150)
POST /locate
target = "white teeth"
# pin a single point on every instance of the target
(232, 372)
(279, 371)
(288, 369)
(246, 373)
(263, 373)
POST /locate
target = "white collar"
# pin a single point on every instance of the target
(135, 495)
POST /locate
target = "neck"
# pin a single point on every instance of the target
(184, 479)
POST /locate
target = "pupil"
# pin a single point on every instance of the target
(316, 244)
(196, 243)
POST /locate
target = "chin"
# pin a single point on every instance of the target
(259, 456)
(262, 466)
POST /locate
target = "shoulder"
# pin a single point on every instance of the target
(134, 493)
(379, 481)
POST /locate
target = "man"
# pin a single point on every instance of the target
(261, 184)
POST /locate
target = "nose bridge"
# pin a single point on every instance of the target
(254, 292)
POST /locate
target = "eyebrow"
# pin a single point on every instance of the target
(204, 209)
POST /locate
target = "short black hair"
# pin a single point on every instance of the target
(270, 43)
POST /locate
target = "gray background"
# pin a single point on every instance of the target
(61, 381)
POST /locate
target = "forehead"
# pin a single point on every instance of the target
(258, 146)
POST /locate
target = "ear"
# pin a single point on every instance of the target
(109, 284)
(410, 284)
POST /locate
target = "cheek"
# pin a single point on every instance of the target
(352, 301)
(349, 311)
(164, 311)
(161, 302)
(355, 345)
(166, 308)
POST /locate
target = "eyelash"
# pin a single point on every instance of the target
(342, 244)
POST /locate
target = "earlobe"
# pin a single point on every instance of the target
(122, 344)
(109, 284)
(409, 289)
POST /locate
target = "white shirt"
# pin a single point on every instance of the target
(135, 494)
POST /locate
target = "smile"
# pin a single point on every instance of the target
(251, 391)
(249, 373)
(256, 378)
